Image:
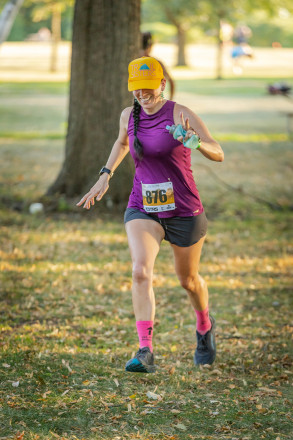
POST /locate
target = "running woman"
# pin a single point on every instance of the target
(164, 204)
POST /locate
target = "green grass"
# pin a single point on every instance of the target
(228, 87)
(67, 325)
(33, 88)
(68, 329)
(24, 135)
(256, 138)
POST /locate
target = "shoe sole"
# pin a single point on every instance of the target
(138, 367)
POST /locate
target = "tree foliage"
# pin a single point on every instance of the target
(43, 9)
(208, 15)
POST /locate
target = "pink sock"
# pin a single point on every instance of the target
(203, 323)
(145, 333)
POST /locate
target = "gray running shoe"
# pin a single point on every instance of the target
(205, 352)
(143, 362)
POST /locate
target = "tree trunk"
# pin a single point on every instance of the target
(106, 37)
(181, 39)
(56, 35)
(220, 51)
(7, 17)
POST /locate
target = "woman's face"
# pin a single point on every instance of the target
(149, 98)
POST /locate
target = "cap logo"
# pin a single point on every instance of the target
(143, 71)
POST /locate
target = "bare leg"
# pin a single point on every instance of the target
(144, 239)
(186, 266)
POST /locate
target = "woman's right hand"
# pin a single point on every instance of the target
(96, 192)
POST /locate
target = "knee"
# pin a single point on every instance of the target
(191, 283)
(141, 274)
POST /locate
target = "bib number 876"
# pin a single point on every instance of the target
(152, 196)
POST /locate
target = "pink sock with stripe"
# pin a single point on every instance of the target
(145, 333)
(203, 322)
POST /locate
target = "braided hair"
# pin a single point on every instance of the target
(137, 144)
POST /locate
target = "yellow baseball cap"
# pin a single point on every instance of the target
(144, 73)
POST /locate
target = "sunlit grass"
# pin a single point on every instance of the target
(67, 324)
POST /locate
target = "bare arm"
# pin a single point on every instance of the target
(118, 152)
(209, 147)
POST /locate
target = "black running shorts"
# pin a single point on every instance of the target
(182, 231)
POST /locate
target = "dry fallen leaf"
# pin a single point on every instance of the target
(66, 364)
(216, 372)
(172, 370)
(147, 411)
(180, 426)
(153, 396)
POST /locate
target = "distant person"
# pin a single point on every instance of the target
(242, 34)
(241, 49)
(237, 54)
(147, 43)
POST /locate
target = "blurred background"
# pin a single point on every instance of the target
(232, 64)
(182, 34)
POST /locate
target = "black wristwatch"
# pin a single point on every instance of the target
(106, 170)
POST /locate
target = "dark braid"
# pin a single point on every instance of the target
(137, 144)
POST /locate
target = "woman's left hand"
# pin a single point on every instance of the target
(189, 130)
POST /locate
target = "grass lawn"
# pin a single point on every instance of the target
(67, 325)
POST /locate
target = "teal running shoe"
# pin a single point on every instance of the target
(205, 352)
(143, 362)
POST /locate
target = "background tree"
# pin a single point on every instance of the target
(213, 14)
(106, 36)
(42, 10)
(7, 17)
(181, 13)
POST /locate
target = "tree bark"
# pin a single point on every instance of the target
(106, 37)
(220, 51)
(181, 36)
(7, 17)
(56, 35)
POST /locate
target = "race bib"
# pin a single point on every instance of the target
(158, 197)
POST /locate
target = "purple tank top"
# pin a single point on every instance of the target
(165, 160)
